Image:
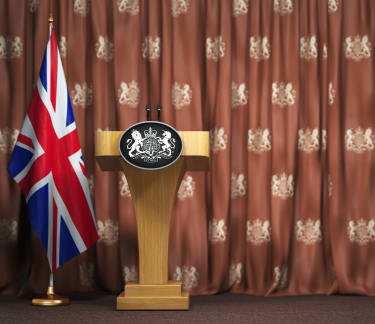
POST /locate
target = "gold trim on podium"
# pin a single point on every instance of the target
(153, 193)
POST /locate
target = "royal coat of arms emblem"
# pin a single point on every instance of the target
(150, 145)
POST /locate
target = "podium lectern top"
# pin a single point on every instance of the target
(196, 150)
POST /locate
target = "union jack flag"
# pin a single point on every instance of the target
(47, 164)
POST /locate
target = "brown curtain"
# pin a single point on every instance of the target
(285, 87)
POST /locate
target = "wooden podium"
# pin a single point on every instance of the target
(153, 193)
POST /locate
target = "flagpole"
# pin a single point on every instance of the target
(50, 289)
(51, 279)
(50, 20)
(51, 299)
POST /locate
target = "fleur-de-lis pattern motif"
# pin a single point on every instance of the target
(330, 186)
(10, 47)
(218, 140)
(187, 188)
(86, 274)
(331, 94)
(217, 230)
(308, 141)
(240, 7)
(215, 48)
(235, 274)
(282, 186)
(129, 94)
(239, 95)
(8, 231)
(188, 275)
(107, 231)
(357, 48)
(104, 49)
(238, 185)
(124, 187)
(260, 48)
(361, 232)
(259, 140)
(333, 5)
(63, 46)
(258, 232)
(179, 7)
(308, 232)
(181, 95)
(33, 5)
(130, 273)
(324, 139)
(325, 52)
(151, 48)
(359, 141)
(283, 7)
(280, 277)
(308, 48)
(81, 7)
(283, 94)
(8, 139)
(82, 95)
(130, 7)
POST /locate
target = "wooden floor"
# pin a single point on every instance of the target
(224, 308)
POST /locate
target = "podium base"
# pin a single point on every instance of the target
(153, 297)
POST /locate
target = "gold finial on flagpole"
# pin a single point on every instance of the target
(50, 20)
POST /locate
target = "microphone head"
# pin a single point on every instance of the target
(148, 107)
(158, 107)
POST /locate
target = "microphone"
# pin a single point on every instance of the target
(158, 108)
(148, 109)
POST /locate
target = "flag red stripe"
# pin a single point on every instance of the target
(25, 140)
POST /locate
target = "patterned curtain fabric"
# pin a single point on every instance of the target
(286, 89)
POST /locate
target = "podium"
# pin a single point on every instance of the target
(153, 193)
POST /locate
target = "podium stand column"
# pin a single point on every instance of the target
(153, 193)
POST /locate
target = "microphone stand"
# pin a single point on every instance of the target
(158, 108)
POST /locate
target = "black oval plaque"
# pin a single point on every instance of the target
(150, 145)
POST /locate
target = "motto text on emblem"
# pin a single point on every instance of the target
(150, 145)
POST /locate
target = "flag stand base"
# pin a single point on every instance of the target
(51, 299)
